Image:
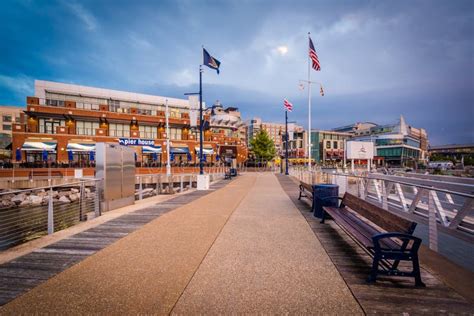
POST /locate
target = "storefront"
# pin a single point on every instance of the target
(81, 154)
(39, 153)
(227, 153)
(180, 154)
(151, 156)
(208, 153)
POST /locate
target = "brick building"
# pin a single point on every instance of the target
(64, 121)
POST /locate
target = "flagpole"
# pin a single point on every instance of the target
(201, 165)
(286, 142)
(309, 107)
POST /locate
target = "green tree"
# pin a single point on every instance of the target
(263, 146)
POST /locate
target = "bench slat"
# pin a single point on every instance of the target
(377, 215)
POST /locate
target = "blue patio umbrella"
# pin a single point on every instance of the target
(70, 156)
(45, 155)
(218, 158)
(18, 154)
(91, 155)
(189, 157)
(136, 158)
(154, 156)
(172, 157)
(204, 158)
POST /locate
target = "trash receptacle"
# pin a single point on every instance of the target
(233, 172)
(321, 191)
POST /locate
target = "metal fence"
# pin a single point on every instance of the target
(32, 213)
(441, 209)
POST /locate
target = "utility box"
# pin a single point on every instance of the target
(115, 166)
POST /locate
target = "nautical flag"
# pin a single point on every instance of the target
(313, 56)
(321, 91)
(288, 105)
(210, 61)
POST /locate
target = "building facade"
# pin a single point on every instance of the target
(276, 131)
(396, 144)
(328, 147)
(9, 115)
(64, 122)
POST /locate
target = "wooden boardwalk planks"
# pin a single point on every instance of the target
(24, 273)
(390, 295)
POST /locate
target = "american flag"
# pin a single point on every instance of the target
(288, 105)
(314, 56)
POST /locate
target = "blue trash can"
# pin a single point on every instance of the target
(321, 191)
(233, 172)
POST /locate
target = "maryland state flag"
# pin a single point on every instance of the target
(322, 91)
(210, 61)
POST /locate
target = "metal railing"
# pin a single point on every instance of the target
(438, 207)
(32, 213)
(149, 185)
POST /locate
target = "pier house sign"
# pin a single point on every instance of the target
(136, 142)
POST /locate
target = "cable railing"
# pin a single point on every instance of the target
(438, 206)
(32, 213)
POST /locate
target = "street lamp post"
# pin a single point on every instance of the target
(309, 83)
(168, 164)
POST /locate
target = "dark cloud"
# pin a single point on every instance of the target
(380, 59)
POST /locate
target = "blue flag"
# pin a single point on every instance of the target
(210, 61)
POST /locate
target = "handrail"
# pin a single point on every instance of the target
(467, 195)
(51, 186)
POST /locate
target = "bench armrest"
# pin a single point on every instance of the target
(405, 238)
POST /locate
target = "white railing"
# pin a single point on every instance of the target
(439, 207)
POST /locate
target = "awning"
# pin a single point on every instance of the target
(81, 147)
(205, 150)
(151, 149)
(179, 150)
(39, 146)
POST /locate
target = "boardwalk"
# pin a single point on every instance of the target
(247, 247)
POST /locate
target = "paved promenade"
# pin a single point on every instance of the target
(244, 248)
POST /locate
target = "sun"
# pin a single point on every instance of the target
(282, 50)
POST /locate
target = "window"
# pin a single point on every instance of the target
(148, 131)
(86, 128)
(114, 105)
(119, 130)
(175, 133)
(7, 118)
(7, 127)
(51, 102)
(334, 145)
(328, 144)
(48, 126)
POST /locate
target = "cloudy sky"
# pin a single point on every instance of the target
(380, 59)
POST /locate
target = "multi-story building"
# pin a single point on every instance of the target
(396, 144)
(9, 115)
(328, 146)
(64, 122)
(276, 132)
(227, 122)
(458, 152)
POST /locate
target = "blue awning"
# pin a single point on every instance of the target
(205, 151)
(151, 149)
(179, 150)
(81, 147)
(39, 146)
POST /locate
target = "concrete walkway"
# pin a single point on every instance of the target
(242, 249)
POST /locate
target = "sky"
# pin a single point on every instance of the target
(379, 59)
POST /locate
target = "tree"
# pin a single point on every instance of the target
(263, 146)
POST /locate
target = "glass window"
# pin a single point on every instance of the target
(86, 128)
(148, 131)
(7, 118)
(119, 130)
(7, 127)
(175, 133)
(328, 145)
(334, 145)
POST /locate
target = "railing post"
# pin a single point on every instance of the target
(181, 183)
(140, 188)
(82, 216)
(191, 181)
(432, 224)
(384, 195)
(50, 212)
(97, 199)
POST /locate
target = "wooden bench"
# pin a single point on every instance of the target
(306, 190)
(386, 236)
